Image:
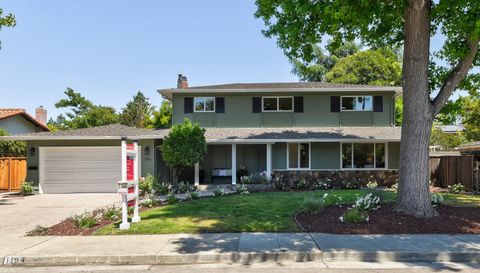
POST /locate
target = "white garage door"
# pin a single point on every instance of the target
(79, 169)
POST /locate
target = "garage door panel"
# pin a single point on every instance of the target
(76, 170)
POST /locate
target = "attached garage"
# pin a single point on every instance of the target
(79, 169)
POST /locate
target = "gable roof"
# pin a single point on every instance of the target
(226, 135)
(280, 87)
(11, 112)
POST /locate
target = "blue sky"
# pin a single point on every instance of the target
(109, 49)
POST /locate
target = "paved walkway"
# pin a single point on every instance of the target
(245, 248)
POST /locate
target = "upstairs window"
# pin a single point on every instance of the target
(204, 104)
(357, 103)
(277, 104)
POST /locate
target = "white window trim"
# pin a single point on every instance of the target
(298, 156)
(374, 157)
(346, 110)
(204, 105)
(278, 103)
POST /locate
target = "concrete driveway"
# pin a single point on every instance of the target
(21, 214)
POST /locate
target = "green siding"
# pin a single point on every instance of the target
(393, 155)
(279, 156)
(238, 112)
(325, 155)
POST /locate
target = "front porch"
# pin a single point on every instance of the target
(222, 163)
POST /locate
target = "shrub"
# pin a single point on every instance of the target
(112, 213)
(312, 205)
(242, 171)
(354, 215)
(323, 184)
(241, 189)
(302, 184)
(185, 187)
(172, 199)
(218, 191)
(437, 199)
(26, 188)
(193, 195)
(351, 184)
(456, 188)
(145, 184)
(163, 188)
(368, 202)
(261, 178)
(85, 220)
(149, 201)
(246, 179)
(372, 184)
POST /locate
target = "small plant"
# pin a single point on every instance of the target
(26, 188)
(242, 171)
(354, 215)
(241, 189)
(149, 201)
(112, 213)
(163, 188)
(323, 184)
(85, 220)
(437, 199)
(312, 205)
(246, 179)
(456, 188)
(394, 187)
(368, 202)
(302, 184)
(372, 185)
(218, 191)
(38, 231)
(194, 195)
(172, 199)
(351, 184)
(185, 187)
(145, 184)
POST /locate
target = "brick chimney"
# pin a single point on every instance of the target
(182, 82)
(41, 115)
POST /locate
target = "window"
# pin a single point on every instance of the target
(361, 103)
(298, 155)
(277, 104)
(204, 104)
(363, 155)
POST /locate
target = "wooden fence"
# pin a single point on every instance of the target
(13, 171)
(448, 170)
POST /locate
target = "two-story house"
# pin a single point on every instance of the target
(323, 129)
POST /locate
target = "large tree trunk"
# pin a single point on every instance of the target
(413, 190)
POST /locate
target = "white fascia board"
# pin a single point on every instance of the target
(168, 92)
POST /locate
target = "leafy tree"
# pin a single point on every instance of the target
(322, 62)
(444, 140)
(12, 148)
(470, 116)
(7, 20)
(163, 117)
(137, 112)
(84, 113)
(374, 67)
(184, 146)
(398, 111)
(450, 113)
(298, 24)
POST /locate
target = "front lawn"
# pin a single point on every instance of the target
(256, 212)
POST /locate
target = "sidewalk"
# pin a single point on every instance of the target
(244, 248)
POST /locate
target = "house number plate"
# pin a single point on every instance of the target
(14, 260)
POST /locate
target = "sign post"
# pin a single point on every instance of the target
(128, 186)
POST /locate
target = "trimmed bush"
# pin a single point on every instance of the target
(26, 188)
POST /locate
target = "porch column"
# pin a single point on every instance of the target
(197, 174)
(234, 164)
(269, 159)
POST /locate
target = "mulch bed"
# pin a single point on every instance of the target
(451, 220)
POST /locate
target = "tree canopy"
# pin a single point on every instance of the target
(184, 146)
(84, 113)
(12, 148)
(7, 20)
(138, 112)
(163, 117)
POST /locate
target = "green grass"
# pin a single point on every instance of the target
(257, 212)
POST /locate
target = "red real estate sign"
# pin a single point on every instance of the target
(130, 165)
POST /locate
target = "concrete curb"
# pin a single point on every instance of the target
(245, 258)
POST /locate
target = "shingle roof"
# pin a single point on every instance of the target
(10, 112)
(116, 131)
(291, 85)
